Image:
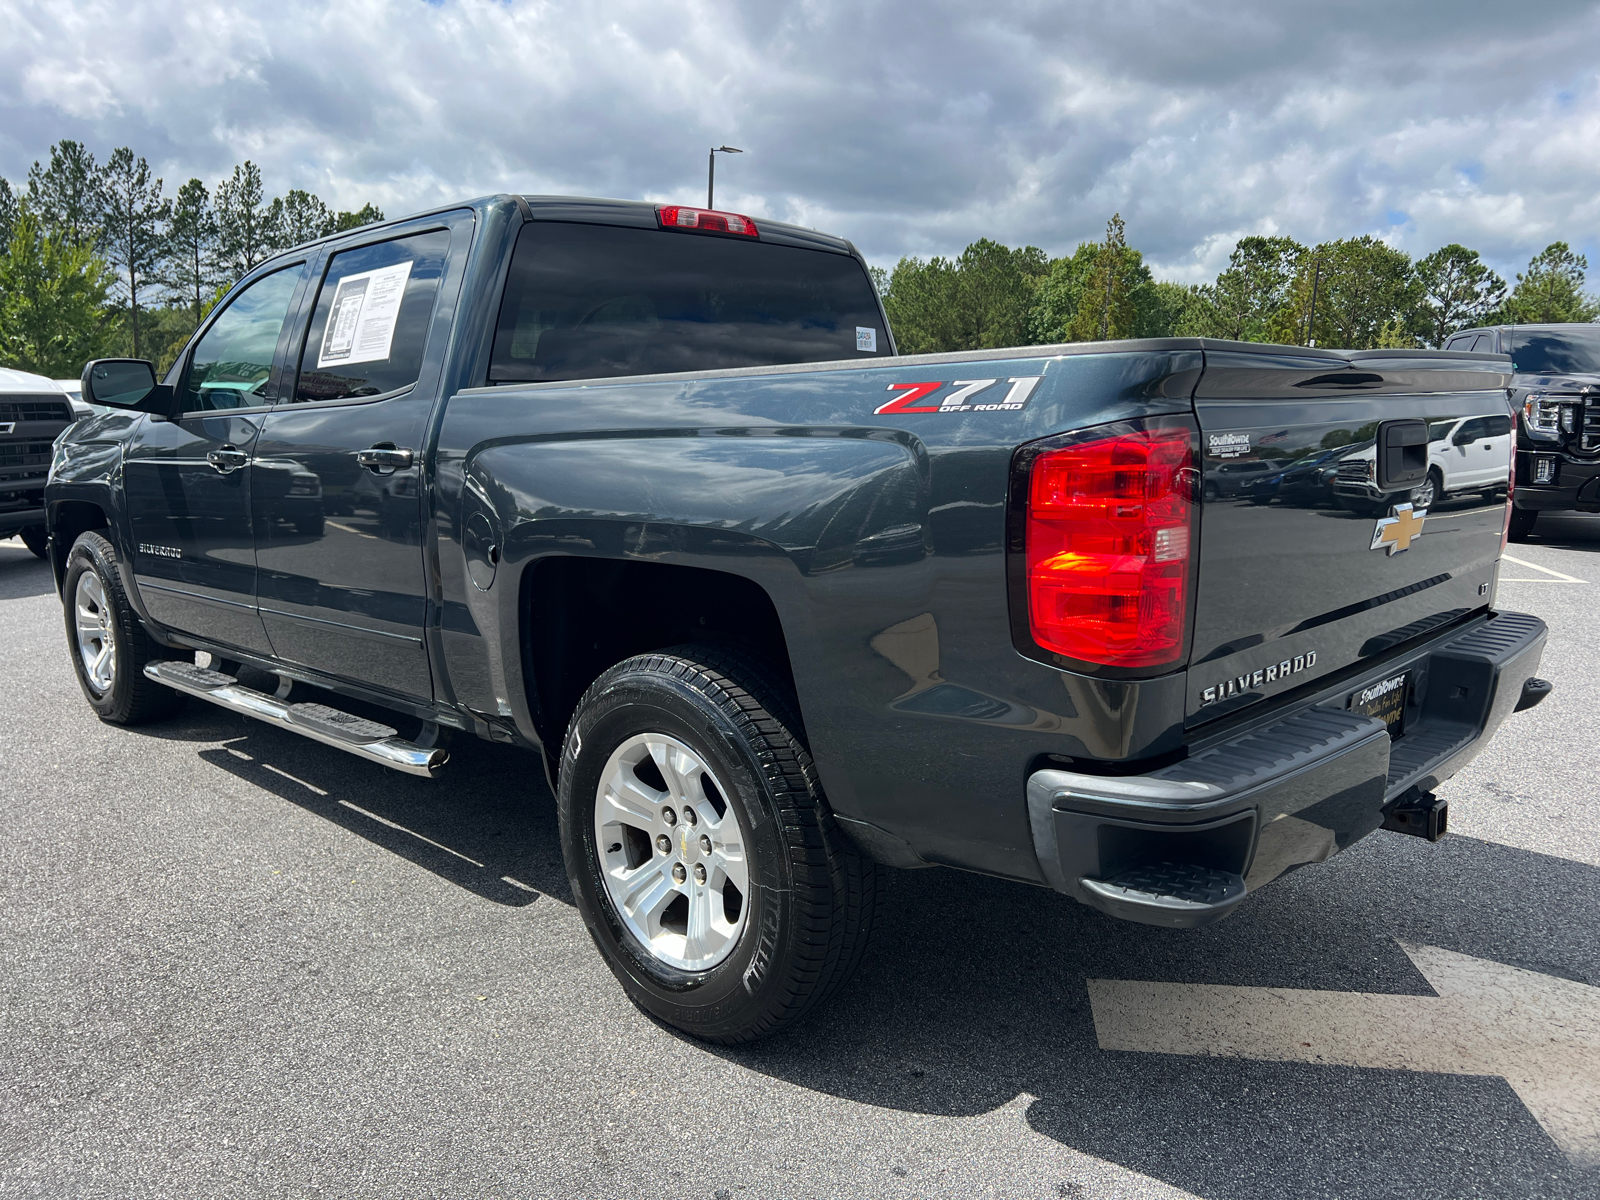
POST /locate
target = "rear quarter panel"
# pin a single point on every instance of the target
(879, 538)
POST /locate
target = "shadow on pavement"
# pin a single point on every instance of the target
(976, 992)
(1565, 531)
(23, 575)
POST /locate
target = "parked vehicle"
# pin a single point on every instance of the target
(1230, 479)
(1555, 394)
(647, 490)
(1307, 481)
(1465, 454)
(33, 413)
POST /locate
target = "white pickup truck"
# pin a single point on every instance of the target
(1465, 454)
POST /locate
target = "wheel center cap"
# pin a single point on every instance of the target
(685, 843)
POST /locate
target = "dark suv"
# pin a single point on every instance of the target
(1555, 391)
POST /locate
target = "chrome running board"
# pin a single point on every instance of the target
(341, 730)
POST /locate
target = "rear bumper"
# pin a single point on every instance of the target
(1183, 845)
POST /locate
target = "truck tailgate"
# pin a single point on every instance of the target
(1292, 587)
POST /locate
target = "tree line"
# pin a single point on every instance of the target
(1354, 293)
(98, 260)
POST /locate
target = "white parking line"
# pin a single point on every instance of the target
(1556, 576)
(1540, 1033)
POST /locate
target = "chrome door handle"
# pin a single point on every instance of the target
(384, 458)
(227, 458)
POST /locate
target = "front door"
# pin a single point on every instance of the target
(338, 506)
(188, 481)
(1480, 453)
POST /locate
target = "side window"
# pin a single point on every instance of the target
(233, 362)
(371, 321)
(1497, 426)
(1458, 343)
(1470, 431)
(1482, 344)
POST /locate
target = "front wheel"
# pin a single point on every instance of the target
(1522, 523)
(701, 851)
(109, 646)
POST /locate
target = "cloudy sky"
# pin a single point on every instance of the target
(911, 128)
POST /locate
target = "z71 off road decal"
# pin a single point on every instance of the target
(961, 398)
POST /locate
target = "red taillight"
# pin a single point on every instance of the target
(704, 220)
(1108, 542)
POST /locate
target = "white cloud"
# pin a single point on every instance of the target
(908, 127)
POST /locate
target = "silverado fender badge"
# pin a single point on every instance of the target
(1399, 529)
(1250, 680)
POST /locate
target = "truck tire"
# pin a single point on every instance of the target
(108, 644)
(37, 539)
(701, 851)
(1522, 523)
(1430, 492)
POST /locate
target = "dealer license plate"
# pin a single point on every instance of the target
(1385, 700)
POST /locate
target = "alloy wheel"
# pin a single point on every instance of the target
(671, 852)
(97, 639)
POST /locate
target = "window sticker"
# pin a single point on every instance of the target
(866, 340)
(365, 310)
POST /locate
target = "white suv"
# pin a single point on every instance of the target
(1465, 454)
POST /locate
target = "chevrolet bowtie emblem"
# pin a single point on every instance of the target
(1398, 529)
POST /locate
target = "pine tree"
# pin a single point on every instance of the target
(247, 235)
(1106, 311)
(1247, 294)
(1457, 292)
(1552, 290)
(1346, 292)
(192, 272)
(301, 217)
(367, 214)
(65, 196)
(8, 211)
(133, 217)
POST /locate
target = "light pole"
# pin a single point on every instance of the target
(711, 170)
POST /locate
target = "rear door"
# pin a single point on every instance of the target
(1291, 592)
(188, 481)
(338, 510)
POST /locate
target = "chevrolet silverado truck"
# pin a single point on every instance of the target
(1555, 393)
(646, 490)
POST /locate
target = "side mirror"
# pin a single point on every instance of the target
(1462, 438)
(126, 383)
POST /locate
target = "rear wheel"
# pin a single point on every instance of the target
(37, 539)
(701, 850)
(109, 646)
(1522, 523)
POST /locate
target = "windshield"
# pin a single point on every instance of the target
(1573, 350)
(586, 301)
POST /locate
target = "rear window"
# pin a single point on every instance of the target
(590, 301)
(1571, 351)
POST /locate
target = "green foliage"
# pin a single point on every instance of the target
(1249, 293)
(1059, 294)
(1346, 291)
(8, 211)
(1106, 307)
(192, 272)
(979, 301)
(301, 217)
(132, 214)
(53, 290)
(1552, 290)
(247, 228)
(65, 196)
(367, 214)
(1456, 291)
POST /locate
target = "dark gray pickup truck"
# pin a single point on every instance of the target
(646, 490)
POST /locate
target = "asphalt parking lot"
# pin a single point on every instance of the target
(237, 963)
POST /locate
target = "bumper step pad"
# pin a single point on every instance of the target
(1181, 892)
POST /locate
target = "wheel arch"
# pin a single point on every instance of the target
(69, 520)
